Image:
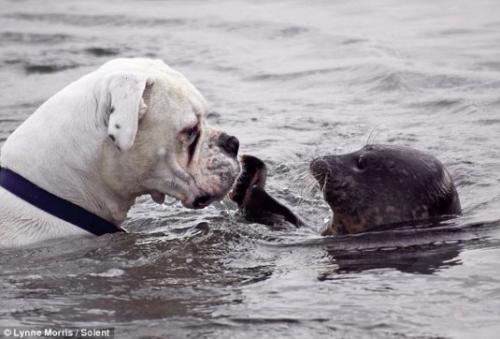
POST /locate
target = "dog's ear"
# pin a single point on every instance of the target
(128, 96)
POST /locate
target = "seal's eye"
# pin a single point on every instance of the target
(361, 163)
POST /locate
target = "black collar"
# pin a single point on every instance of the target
(54, 205)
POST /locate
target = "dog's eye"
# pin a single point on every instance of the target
(191, 134)
(191, 137)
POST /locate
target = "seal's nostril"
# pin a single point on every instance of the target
(202, 201)
(317, 165)
(229, 144)
(319, 169)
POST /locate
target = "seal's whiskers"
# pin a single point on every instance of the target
(372, 136)
(305, 183)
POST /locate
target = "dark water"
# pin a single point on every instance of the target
(292, 79)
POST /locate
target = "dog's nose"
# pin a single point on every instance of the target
(229, 144)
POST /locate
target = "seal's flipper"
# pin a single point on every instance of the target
(253, 173)
(264, 209)
(252, 199)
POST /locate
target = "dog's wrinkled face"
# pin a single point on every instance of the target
(174, 151)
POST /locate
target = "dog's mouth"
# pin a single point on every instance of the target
(196, 195)
(158, 197)
(200, 201)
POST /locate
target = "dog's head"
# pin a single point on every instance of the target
(157, 140)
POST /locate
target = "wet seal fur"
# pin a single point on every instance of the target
(377, 187)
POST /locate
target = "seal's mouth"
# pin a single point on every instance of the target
(335, 188)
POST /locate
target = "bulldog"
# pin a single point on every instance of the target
(132, 127)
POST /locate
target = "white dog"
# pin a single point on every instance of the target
(132, 127)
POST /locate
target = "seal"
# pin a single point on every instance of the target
(384, 186)
(377, 187)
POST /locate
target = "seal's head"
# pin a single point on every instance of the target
(383, 185)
